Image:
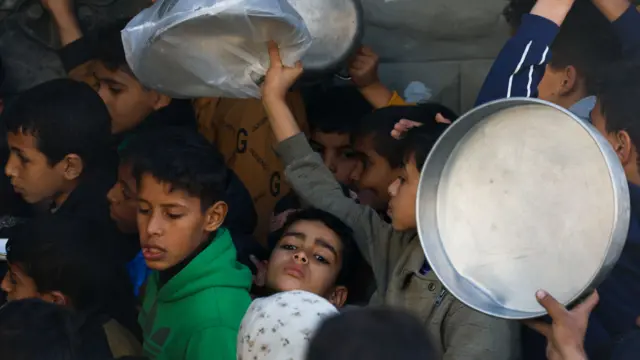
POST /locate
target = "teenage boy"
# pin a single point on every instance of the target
(60, 260)
(197, 293)
(58, 136)
(555, 63)
(122, 197)
(556, 59)
(394, 252)
(238, 127)
(314, 253)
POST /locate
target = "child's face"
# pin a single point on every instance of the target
(123, 200)
(307, 257)
(377, 174)
(31, 175)
(403, 192)
(172, 224)
(338, 155)
(129, 103)
(18, 285)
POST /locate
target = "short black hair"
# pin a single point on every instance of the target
(586, 39)
(65, 117)
(419, 141)
(63, 253)
(109, 47)
(336, 109)
(344, 232)
(33, 329)
(618, 94)
(184, 159)
(381, 122)
(372, 334)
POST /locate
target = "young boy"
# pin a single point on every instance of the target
(557, 51)
(237, 127)
(122, 197)
(58, 136)
(394, 251)
(381, 153)
(333, 114)
(60, 260)
(197, 293)
(314, 253)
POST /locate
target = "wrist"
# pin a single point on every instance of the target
(576, 353)
(554, 10)
(612, 9)
(371, 85)
(377, 94)
(271, 99)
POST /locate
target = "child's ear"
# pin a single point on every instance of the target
(160, 101)
(624, 147)
(339, 296)
(56, 297)
(570, 80)
(72, 166)
(215, 216)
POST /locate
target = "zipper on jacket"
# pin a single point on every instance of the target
(440, 297)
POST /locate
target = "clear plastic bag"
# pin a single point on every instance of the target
(211, 48)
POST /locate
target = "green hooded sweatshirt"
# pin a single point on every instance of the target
(197, 313)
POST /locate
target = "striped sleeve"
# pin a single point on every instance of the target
(519, 67)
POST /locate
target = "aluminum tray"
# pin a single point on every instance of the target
(520, 195)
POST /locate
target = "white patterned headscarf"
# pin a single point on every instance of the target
(280, 327)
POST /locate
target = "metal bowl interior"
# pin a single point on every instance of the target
(520, 195)
(336, 28)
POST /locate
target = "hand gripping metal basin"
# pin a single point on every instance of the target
(520, 195)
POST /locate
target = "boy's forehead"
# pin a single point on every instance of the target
(331, 137)
(363, 143)
(314, 230)
(22, 141)
(118, 76)
(152, 189)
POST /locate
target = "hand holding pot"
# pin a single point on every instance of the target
(565, 337)
(279, 78)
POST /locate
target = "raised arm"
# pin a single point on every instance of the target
(520, 66)
(314, 183)
(625, 19)
(64, 17)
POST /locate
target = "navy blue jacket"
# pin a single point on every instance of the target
(516, 73)
(520, 66)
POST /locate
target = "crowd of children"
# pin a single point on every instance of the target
(145, 227)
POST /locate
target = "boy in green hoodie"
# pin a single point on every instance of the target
(197, 293)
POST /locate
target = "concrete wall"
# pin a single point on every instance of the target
(448, 45)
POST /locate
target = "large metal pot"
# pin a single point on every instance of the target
(336, 28)
(520, 195)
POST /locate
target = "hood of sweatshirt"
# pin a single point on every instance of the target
(215, 266)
